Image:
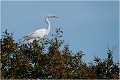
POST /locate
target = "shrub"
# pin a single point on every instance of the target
(51, 59)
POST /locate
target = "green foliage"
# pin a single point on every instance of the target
(50, 59)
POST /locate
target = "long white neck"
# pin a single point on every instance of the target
(48, 28)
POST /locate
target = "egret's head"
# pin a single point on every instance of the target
(52, 16)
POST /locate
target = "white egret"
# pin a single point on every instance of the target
(40, 33)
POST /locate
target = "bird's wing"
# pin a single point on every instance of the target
(40, 33)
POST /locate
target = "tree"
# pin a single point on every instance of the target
(50, 59)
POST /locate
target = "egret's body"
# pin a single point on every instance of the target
(40, 33)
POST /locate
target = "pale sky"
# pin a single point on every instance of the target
(87, 25)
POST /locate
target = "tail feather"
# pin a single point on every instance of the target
(25, 37)
(30, 40)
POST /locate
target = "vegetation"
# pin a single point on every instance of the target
(51, 59)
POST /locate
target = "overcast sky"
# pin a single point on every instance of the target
(87, 25)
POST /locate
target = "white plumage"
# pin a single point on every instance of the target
(40, 33)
